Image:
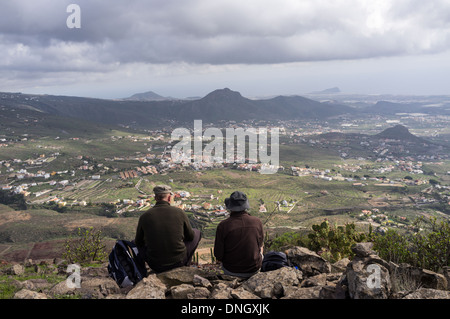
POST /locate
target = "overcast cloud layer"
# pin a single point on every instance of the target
(126, 42)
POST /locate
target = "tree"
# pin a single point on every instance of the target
(88, 247)
(433, 182)
(15, 201)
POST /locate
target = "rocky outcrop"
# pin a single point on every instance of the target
(310, 276)
(308, 261)
(274, 284)
(150, 287)
(367, 275)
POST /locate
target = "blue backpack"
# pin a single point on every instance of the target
(126, 266)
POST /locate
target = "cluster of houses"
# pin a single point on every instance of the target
(409, 166)
(325, 174)
(329, 175)
(128, 174)
(29, 163)
(401, 165)
(149, 169)
(383, 220)
(198, 204)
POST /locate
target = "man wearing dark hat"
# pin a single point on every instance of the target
(165, 234)
(239, 239)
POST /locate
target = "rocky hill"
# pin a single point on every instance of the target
(400, 132)
(310, 276)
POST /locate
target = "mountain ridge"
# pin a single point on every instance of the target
(218, 105)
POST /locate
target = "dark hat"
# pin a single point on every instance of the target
(237, 202)
(162, 189)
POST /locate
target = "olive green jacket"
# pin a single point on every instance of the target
(162, 230)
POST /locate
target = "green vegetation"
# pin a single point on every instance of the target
(87, 248)
(332, 242)
(8, 287)
(84, 188)
(429, 249)
(335, 242)
(15, 201)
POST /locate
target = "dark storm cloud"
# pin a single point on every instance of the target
(34, 35)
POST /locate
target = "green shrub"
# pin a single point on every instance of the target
(288, 239)
(392, 246)
(334, 242)
(429, 249)
(87, 248)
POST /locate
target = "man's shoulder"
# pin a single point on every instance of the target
(254, 220)
(157, 208)
(166, 209)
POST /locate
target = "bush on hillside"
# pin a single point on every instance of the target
(332, 242)
(429, 249)
(87, 248)
(15, 201)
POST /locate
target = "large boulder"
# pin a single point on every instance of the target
(367, 275)
(273, 283)
(184, 275)
(62, 288)
(99, 287)
(221, 291)
(182, 291)
(29, 294)
(307, 261)
(148, 288)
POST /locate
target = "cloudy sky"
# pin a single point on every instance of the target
(258, 47)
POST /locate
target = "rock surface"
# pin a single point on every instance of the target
(366, 276)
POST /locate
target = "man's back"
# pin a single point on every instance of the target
(162, 229)
(238, 243)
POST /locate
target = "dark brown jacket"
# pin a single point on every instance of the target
(238, 243)
(162, 230)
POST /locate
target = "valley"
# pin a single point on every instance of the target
(73, 169)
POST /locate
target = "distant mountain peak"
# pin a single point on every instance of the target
(225, 93)
(146, 96)
(334, 90)
(398, 132)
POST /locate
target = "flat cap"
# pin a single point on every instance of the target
(162, 189)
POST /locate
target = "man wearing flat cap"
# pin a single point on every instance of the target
(165, 235)
(239, 239)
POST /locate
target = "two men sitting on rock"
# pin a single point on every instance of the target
(167, 239)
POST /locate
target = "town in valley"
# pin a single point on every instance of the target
(380, 169)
